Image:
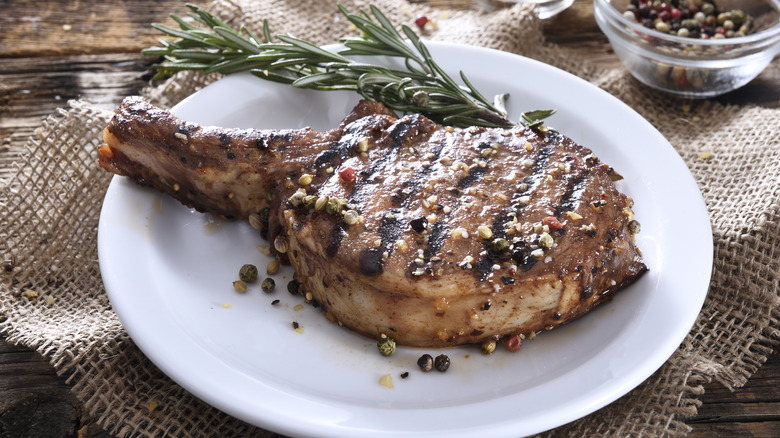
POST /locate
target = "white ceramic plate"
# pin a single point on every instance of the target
(168, 271)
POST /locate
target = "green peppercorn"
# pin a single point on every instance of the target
(421, 98)
(333, 207)
(310, 201)
(499, 245)
(268, 285)
(296, 199)
(737, 17)
(386, 345)
(248, 273)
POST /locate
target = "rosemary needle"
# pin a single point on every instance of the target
(420, 86)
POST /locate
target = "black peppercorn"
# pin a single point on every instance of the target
(442, 362)
(419, 224)
(293, 287)
(425, 362)
(8, 265)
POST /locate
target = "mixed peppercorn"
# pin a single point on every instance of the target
(689, 18)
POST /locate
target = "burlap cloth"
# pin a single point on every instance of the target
(51, 204)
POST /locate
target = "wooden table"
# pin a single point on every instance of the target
(54, 51)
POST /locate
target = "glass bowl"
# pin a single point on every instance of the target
(542, 8)
(693, 67)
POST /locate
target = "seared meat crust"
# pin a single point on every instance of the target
(445, 236)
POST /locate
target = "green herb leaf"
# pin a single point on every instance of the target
(208, 45)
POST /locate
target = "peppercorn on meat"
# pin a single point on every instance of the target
(431, 235)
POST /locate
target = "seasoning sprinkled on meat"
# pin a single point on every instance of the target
(442, 235)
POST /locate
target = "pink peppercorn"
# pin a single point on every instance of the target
(513, 343)
(347, 173)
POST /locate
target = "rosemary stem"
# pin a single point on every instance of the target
(421, 86)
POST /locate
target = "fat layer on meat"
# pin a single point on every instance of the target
(444, 236)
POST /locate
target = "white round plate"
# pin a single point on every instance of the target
(169, 270)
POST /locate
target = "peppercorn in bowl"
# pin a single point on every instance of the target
(692, 48)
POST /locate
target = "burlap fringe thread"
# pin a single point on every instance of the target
(51, 205)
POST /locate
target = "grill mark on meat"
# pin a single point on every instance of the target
(575, 188)
(484, 265)
(521, 254)
(342, 147)
(435, 240)
(338, 232)
(337, 149)
(475, 174)
(390, 229)
(531, 181)
(540, 161)
(401, 130)
(520, 251)
(411, 186)
(372, 260)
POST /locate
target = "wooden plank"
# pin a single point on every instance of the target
(53, 28)
(33, 88)
(750, 411)
(35, 401)
(736, 430)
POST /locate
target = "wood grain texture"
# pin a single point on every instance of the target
(53, 51)
(50, 28)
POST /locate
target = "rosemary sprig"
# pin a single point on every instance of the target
(420, 86)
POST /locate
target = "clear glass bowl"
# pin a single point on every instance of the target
(543, 8)
(692, 67)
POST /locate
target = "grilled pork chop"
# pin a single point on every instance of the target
(432, 235)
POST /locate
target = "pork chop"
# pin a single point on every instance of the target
(432, 235)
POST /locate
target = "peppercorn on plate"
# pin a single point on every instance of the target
(263, 355)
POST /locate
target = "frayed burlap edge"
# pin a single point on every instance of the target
(72, 323)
